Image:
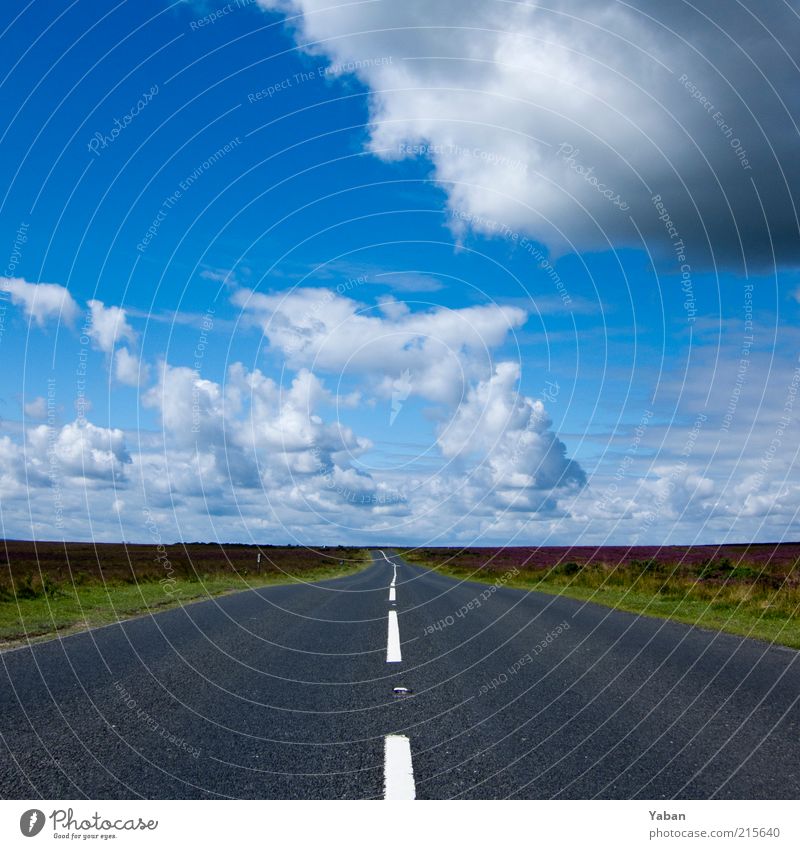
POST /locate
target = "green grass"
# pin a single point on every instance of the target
(739, 600)
(40, 609)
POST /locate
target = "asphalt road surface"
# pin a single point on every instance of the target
(287, 692)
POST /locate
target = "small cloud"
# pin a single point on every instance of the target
(226, 276)
(350, 401)
(128, 369)
(185, 319)
(391, 308)
(41, 301)
(36, 409)
(109, 325)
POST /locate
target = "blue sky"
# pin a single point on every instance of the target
(359, 274)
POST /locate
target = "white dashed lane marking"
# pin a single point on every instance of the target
(393, 653)
(393, 584)
(398, 770)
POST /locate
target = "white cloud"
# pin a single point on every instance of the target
(109, 325)
(190, 407)
(251, 434)
(442, 349)
(226, 276)
(41, 301)
(497, 447)
(36, 408)
(128, 369)
(259, 433)
(510, 436)
(693, 103)
(76, 450)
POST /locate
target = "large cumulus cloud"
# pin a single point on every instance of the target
(496, 447)
(564, 120)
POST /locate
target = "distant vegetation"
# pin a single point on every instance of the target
(50, 587)
(751, 590)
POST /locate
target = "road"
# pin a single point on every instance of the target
(287, 692)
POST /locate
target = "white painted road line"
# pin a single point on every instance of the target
(393, 654)
(392, 594)
(388, 561)
(398, 770)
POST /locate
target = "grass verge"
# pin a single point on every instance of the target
(745, 599)
(34, 607)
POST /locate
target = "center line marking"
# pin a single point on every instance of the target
(392, 594)
(398, 769)
(393, 654)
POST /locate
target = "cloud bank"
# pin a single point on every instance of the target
(279, 451)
